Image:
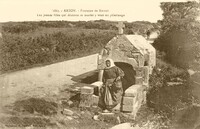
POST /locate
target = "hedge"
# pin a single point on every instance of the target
(24, 50)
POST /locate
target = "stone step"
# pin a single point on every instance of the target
(98, 84)
(128, 101)
(132, 90)
(87, 90)
(127, 108)
(86, 100)
(95, 100)
(132, 109)
(133, 98)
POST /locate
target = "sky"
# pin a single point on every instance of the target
(81, 10)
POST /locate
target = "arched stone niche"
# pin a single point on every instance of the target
(120, 60)
(130, 49)
(128, 80)
(117, 56)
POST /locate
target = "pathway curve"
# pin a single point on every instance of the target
(44, 80)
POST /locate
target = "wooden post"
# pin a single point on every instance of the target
(100, 76)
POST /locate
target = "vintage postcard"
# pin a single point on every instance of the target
(99, 64)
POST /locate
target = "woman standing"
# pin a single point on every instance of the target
(111, 91)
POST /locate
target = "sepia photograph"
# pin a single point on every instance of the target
(100, 64)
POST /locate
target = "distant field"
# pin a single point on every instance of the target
(30, 44)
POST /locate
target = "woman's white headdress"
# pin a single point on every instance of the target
(111, 63)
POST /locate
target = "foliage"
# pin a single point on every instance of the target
(139, 27)
(39, 105)
(27, 44)
(21, 50)
(179, 37)
(23, 27)
(175, 12)
(166, 98)
(19, 27)
(179, 42)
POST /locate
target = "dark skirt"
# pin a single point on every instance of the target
(110, 94)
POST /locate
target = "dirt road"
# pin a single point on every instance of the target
(43, 81)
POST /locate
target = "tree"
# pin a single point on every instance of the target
(174, 12)
(180, 32)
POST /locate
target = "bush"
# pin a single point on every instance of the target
(167, 98)
(20, 51)
(179, 37)
(23, 27)
(180, 44)
(39, 105)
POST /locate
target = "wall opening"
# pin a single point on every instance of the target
(92, 76)
(128, 79)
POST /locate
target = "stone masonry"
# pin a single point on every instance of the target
(137, 52)
(88, 97)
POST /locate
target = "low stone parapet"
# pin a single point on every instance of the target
(89, 94)
(87, 90)
(97, 85)
(133, 98)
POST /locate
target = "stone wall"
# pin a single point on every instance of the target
(133, 99)
(133, 50)
(135, 96)
(121, 50)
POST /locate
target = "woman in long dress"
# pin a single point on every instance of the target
(111, 91)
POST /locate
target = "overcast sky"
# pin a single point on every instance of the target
(34, 10)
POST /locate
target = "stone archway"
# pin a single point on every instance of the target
(128, 80)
